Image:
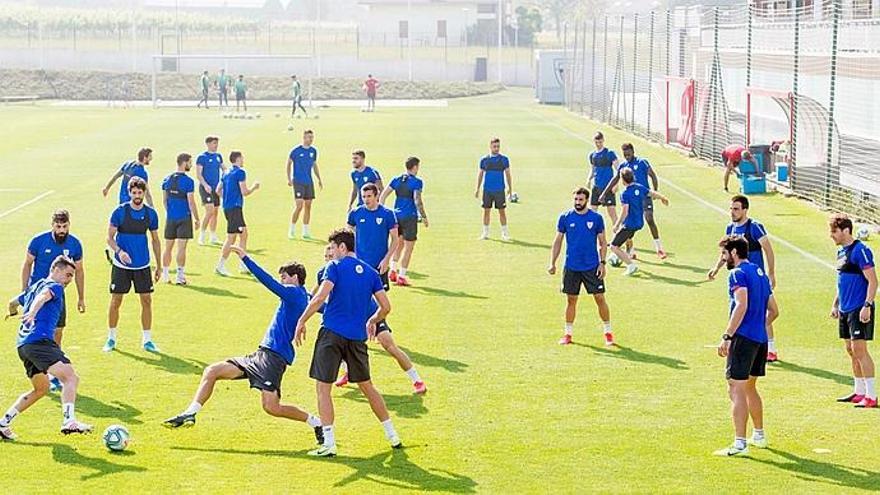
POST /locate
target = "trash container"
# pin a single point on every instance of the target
(761, 152)
(481, 69)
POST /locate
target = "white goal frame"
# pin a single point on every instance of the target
(154, 65)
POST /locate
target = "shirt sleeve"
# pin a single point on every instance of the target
(267, 280)
(32, 246)
(560, 224)
(506, 163)
(483, 164)
(377, 175)
(166, 183)
(418, 185)
(392, 219)
(154, 219)
(190, 186)
(394, 183)
(292, 153)
(331, 274)
(865, 258)
(200, 160)
(77, 252)
(57, 291)
(736, 280)
(351, 219)
(758, 231)
(116, 217)
(316, 153)
(600, 225)
(611, 156)
(377, 283)
(242, 175)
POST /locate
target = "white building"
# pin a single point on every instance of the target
(432, 20)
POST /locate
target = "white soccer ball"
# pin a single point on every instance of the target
(863, 233)
(289, 127)
(258, 115)
(299, 116)
(249, 117)
(116, 438)
(514, 197)
(277, 115)
(316, 116)
(614, 260)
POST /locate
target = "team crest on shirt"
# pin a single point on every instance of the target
(363, 220)
(48, 251)
(571, 225)
(66, 252)
(636, 192)
(379, 221)
(760, 272)
(589, 225)
(359, 269)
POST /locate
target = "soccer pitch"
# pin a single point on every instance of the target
(507, 409)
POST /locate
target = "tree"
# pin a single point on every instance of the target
(570, 10)
(529, 22)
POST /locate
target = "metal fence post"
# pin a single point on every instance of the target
(650, 68)
(632, 121)
(749, 45)
(593, 71)
(835, 25)
(792, 172)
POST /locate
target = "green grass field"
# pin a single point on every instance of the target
(508, 410)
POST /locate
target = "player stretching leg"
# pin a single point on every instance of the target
(583, 230)
(409, 208)
(43, 302)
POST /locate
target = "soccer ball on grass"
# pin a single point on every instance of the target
(289, 127)
(116, 438)
(863, 233)
(614, 260)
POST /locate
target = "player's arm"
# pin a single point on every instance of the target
(771, 259)
(385, 193)
(265, 278)
(624, 211)
(479, 182)
(110, 183)
(315, 304)
(421, 206)
(740, 306)
(191, 199)
(654, 180)
(395, 238)
(111, 243)
(509, 181)
(603, 251)
(663, 199)
(554, 252)
(42, 298)
(289, 171)
(354, 192)
(245, 190)
(149, 196)
(157, 252)
(79, 278)
(27, 269)
(381, 298)
(201, 178)
(14, 304)
(318, 175)
(379, 184)
(610, 187)
(870, 275)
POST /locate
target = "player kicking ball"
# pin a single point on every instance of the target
(43, 302)
(632, 217)
(265, 368)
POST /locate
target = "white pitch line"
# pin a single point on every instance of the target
(26, 203)
(722, 211)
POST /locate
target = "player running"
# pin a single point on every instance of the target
(233, 187)
(131, 169)
(41, 252)
(642, 171)
(264, 369)
(583, 230)
(632, 216)
(350, 317)
(373, 225)
(603, 162)
(494, 172)
(222, 84)
(301, 162)
(240, 93)
(409, 209)
(38, 350)
(744, 343)
(854, 308)
(205, 85)
(360, 176)
(296, 95)
(180, 209)
(209, 168)
(370, 87)
(759, 245)
(127, 239)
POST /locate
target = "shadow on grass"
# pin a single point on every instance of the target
(824, 472)
(817, 372)
(391, 468)
(702, 270)
(670, 280)
(66, 454)
(95, 408)
(405, 406)
(416, 275)
(167, 362)
(421, 359)
(212, 291)
(629, 354)
(525, 244)
(434, 291)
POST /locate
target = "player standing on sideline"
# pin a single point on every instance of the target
(494, 169)
(131, 169)
(41, 252)
(222, 84)
(603, 163)
(854, 308)
(234, 188)
(180, 208)
(43, 302)
(731, 156)
(583, 229)
(642, 171)
(127, 238)
(361, 176)
(209, 168)
(370, 86)
(204, 84)
(296, 94)
(349, 319)
(240, 93)
(301, 161)
(264, 368)
(632, 216)
(373, 224)
(759, 245)
(409, 209)
(744, 343)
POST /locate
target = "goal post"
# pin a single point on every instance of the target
(769, 111)
(281, 64)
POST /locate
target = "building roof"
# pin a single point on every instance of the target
(416, 3)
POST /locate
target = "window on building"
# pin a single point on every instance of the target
(486, 8)
(404, 29)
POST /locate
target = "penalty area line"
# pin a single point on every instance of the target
(26, 203)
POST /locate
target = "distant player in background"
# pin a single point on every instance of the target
(131, 169)
(180, 208)
(301, 162)
(361, 175)
(409, 208)
(240, 93)
(222, 84)
(296, 94)
(732, 155)
(233, 187)
(583, 231)
(43, 302)
(209, 168)
(370, 87)
(494, 177)
(204, 85)
(854, 308)
(632, 216)
(603, 163)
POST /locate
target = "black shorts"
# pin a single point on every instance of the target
(240, 96)
(209, 199)
(852, 328)
(621, 237)
(122, 279)
(610, 200)
(179, 229)
(40, 356)
(330, 350)
(408, 228)
(648, 203)
(234, 220)
(746, 358)
(264, 369)
(303, 191)
(572, 281)
(494, 199)
(386, 285)
(62, 318)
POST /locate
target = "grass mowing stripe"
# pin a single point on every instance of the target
(26, 203)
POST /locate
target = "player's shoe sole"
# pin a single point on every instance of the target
(222, 272)
(109, 346)
(151, 347)
(7, 435)
(772, 357)
(867, 403)
(565, 340)
(323, 451)
(851, 398)
(76, 428)
(181, 420)
(419, 388)
(731, 452)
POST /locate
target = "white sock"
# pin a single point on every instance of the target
(9, 416)
(393, 265)
(329, 436)
(165, 272)
(148, 336)
(193, 408)
(413, 375)
(504, 230)
(181, 271)
(313, 421)
(739, 442)
(859, 388)
(111, 334)
(222, 263)
(306, 229)
(758, 433)
(292, 229)
(67, 413)
(402, 272)
(485, 230)
(606, 326)
(771, 345)
(657, 244)
(389, 429)
(870, 391)
(568, 328)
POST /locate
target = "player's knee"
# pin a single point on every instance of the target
(271, 405)
(70, 380)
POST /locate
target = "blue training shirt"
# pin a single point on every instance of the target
(44, 248)
(178, 207)
(294, 299)
(602, 162)
(133, 243)
(494, 166)
(371, 230)
(581, 233)
(303, 160)
(129, 170)
(640, 168)
(43, 327)
(852, 286)
(405, 187)
(368, 176)
(232, 197)
(350, 304)
(753, 232)
(751, 277)
(633, 196)
(211, 164)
